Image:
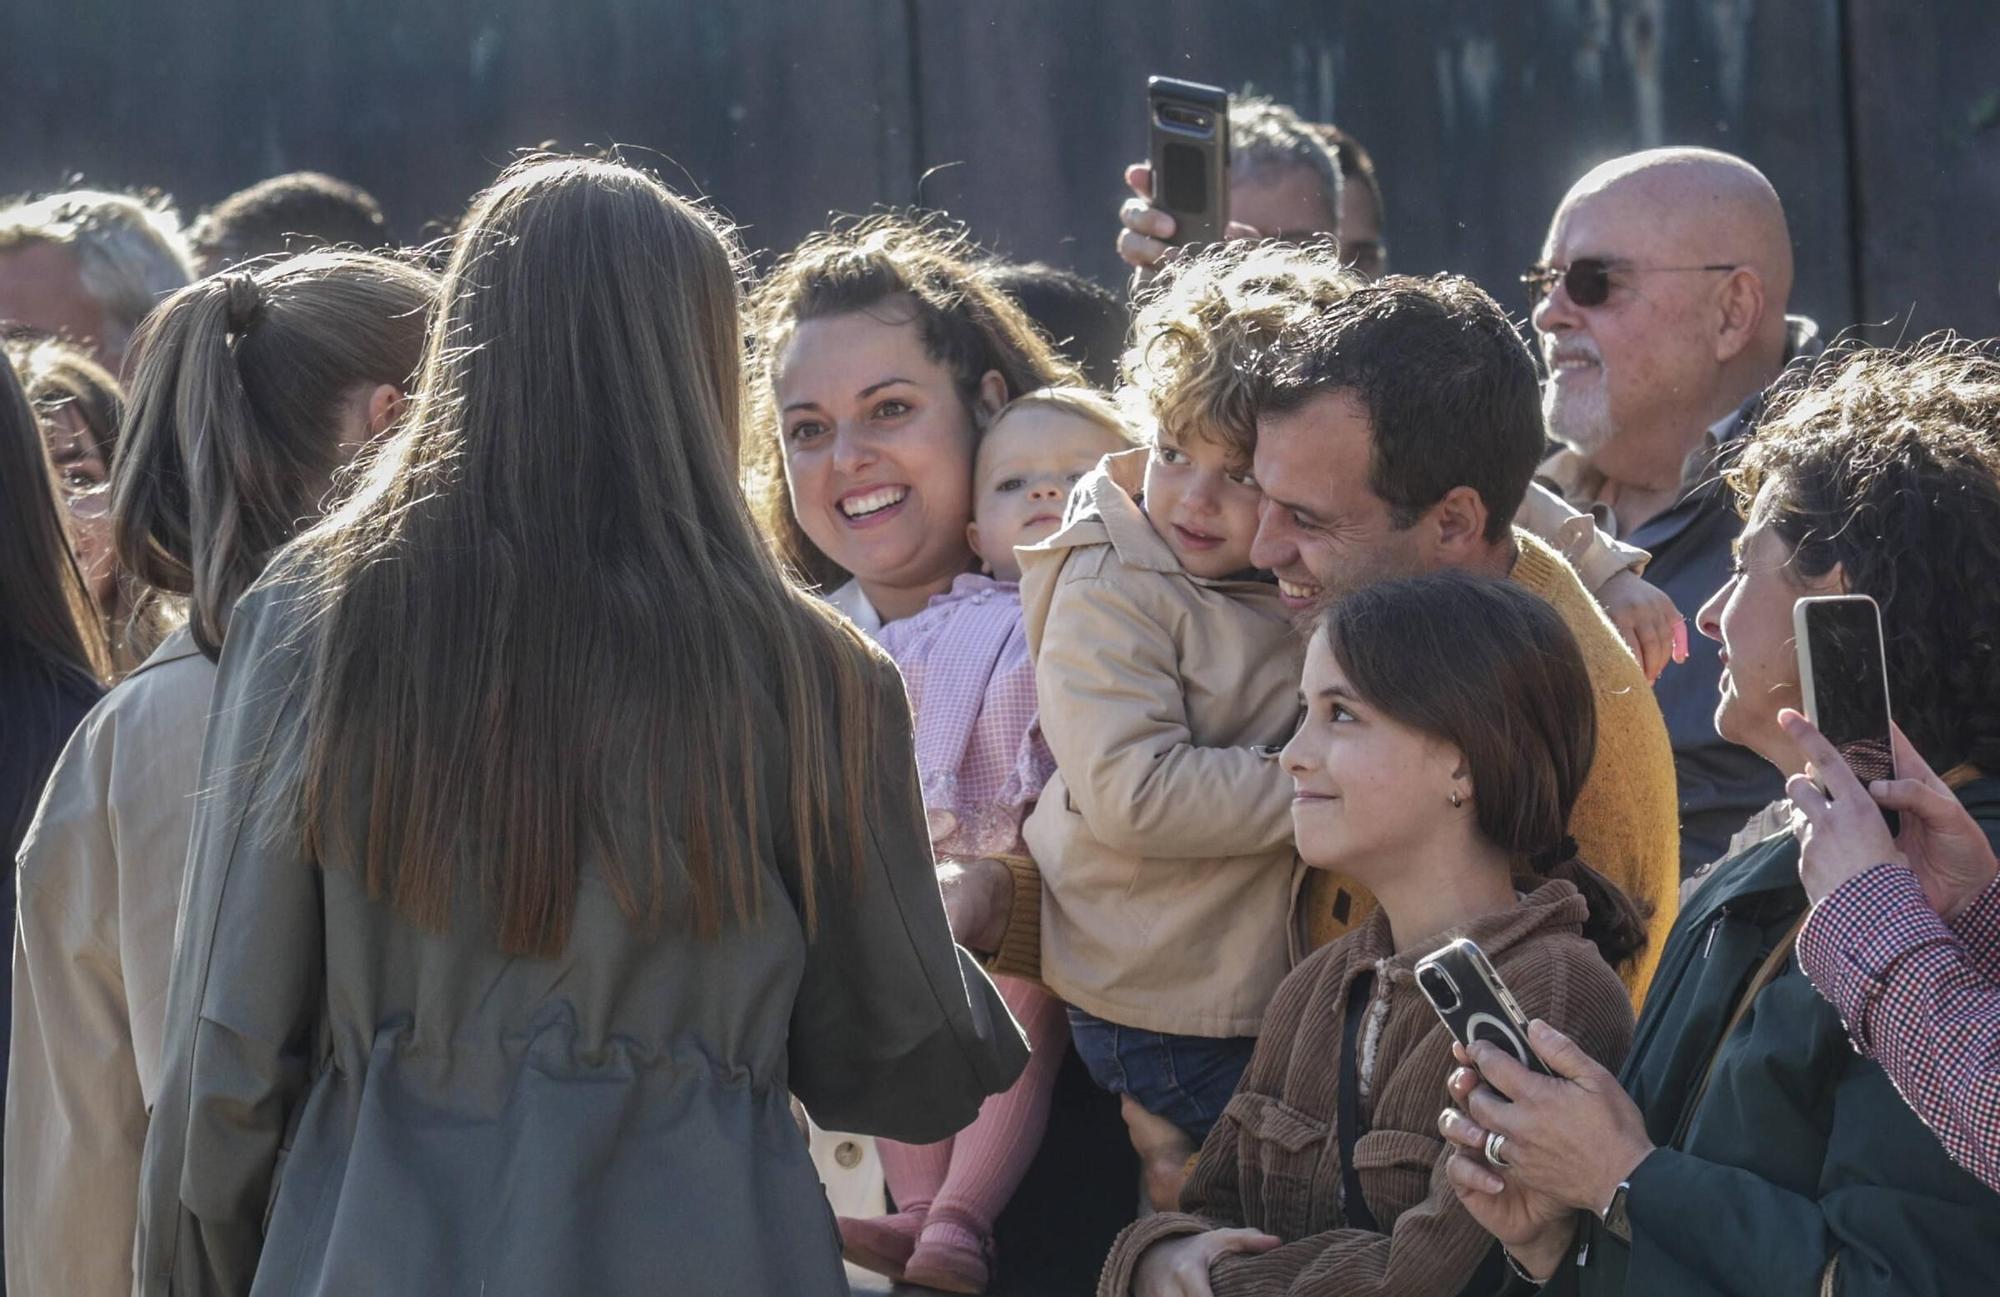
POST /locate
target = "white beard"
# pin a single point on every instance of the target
(1579, 420)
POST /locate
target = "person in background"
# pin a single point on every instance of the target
(1364, 215)
(983, 764)
(1084, 319)
(53, 659)
(295, 212)
(489, 913)
(1284, 184)
(1659, 303)
(884, 349)
(252, 390)
(1449, 726)
(88, 266)
(82, 410)
(1746, 1147)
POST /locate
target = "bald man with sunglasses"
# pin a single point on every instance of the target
(1659, 305)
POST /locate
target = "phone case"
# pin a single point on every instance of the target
(1190, 168)
(1869, 758)
(1473, 1003)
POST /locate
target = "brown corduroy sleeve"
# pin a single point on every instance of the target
(1214, 1188)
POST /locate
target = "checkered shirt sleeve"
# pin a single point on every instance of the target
(1921, 998)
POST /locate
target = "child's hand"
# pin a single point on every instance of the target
(1653, 628)
(1179, 1267)
(978, 897)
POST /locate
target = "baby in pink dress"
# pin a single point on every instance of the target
(982, 762)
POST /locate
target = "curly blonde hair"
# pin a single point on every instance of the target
(1204, 334)
(967, 323)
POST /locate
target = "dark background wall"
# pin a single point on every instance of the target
(1878, 120)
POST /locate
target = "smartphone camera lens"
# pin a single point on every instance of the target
(1196, 121)
(1439, 987)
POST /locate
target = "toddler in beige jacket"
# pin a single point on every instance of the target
(1167, 672)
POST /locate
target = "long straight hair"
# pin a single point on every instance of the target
(232, 440)
(549, 595)
(45, 605)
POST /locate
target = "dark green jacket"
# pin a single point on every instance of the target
(1801, 1156)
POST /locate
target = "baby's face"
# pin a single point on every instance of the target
(1203, 504)
(1028, 462)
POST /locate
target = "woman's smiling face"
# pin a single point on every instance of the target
(878, 452)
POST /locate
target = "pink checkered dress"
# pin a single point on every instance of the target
(980, 753)
(1920, 997)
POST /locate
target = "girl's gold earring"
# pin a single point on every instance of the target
(1456, 800)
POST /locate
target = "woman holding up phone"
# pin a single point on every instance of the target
(1747, 1147)
(1449, 725)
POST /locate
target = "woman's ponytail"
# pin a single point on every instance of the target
(1617, 924)
(233, 427)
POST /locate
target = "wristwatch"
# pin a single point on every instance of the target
(1616, 1222)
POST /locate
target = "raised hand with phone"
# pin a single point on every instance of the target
(1220, 169)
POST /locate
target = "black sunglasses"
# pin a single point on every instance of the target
(1587, 280)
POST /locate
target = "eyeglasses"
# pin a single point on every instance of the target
(1587, 280)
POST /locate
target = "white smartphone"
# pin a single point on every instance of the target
(1844, 674)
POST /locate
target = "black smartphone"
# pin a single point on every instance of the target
(1844, 675)
(1473, 1003)
(1189, 124)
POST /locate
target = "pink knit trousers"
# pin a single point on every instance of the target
(972, 1175)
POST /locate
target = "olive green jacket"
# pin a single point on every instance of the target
(353, 1105)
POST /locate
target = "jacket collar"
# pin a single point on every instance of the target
(1104, 509)
(1552, 907)
(173, 648)
(1772, 866)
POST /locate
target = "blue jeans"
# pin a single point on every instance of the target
(1186, 1079)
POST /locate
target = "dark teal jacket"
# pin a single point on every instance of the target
(1801, 1171)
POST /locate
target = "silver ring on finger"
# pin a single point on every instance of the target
(1495, 1142)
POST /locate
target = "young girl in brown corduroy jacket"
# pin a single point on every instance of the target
(1449, 726)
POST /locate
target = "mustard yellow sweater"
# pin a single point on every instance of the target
(1627, 819)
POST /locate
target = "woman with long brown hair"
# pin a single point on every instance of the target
(52, 656)
(552, 833)
(82, 408)
(252, 390)
(886, 349)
